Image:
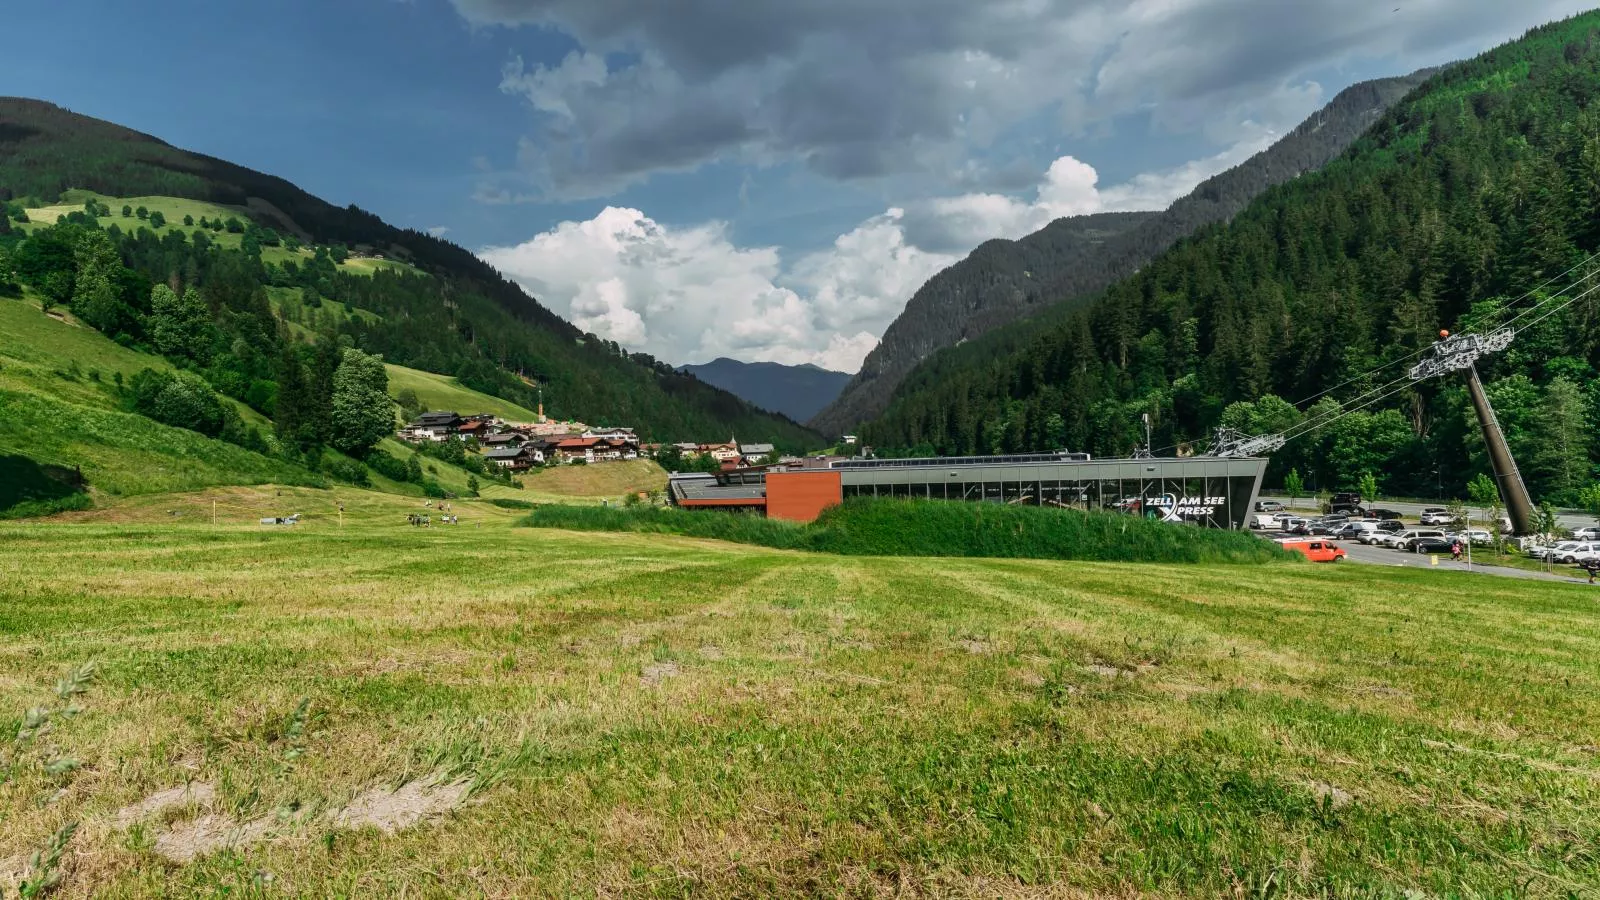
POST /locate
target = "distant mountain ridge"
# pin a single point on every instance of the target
(798, 392)
(1073, 258)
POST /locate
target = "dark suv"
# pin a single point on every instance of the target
(1345, 502)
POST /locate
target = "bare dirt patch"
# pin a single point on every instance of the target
(655, 673)
(392, 810)
(1336, 796)
(387, 809)
(198, 793)
(207, 834)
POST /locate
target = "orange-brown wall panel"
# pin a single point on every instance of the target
(802, 496)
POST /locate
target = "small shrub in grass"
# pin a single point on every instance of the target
(508, 503)
(878, 527)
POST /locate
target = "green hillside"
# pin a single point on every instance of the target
(435, 391)
(67, 439)
(429, 305)
(59, 411)
(1479, 187)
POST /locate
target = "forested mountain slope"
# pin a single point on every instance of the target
(445, 311)
(1480, 186)
(1069, 259)
(798, 392)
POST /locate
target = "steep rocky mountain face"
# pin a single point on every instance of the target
(798, 392)
(447, 312)
(1072, 259)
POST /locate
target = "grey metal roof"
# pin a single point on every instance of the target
(504, 452)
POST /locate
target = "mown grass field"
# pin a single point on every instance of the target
(611, 480)
(443, 392)
(620, 715)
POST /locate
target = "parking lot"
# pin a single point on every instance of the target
(1364, 554)
(1382, 556)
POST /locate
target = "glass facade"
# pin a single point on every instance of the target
(1216, 493)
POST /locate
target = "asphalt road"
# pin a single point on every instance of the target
(1568, 520)
(1361, 554)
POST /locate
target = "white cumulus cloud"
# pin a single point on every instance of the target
(689, 294)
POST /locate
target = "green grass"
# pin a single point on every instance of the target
(610, 480)
(443, 392)
(124, 453)
(61, 409)
(868, 527)
(647, 715)
(174, 209)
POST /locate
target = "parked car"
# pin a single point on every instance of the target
(1355, 530)
(1288, 524)
(1317, 551)
(1407, 539)
(1441, 544)
(1381, 530)
(1268, 506)
(1552, 552)
(1476, 536)
(1345, 501)
(1436, 515)
(1401, 540)
(1577, 551)
(1264, 522)
(1587, 533)
(1382, 515)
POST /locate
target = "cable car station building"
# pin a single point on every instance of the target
(1214, 492)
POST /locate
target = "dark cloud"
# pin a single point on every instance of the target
(863, 88)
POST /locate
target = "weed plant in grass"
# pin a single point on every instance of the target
(878, 527)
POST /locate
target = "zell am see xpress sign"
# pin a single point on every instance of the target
(1173, 510)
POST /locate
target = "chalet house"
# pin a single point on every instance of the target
(573, 449)
(756, 453)
(435, 426)
(722, 453)
(687, 451)
(518, 458)
(473, 428)
(613, 434)
(503, 439)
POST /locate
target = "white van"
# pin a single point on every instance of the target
(1264, 522)
(1352, 531)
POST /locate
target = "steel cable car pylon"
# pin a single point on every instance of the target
(1459, 353)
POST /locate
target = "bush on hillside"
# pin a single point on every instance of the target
(882, 527)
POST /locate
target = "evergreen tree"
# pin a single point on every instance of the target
(294, 406)
(94, 293)
(127, 211)
(1562, 438)
(178, 325)
(362, 414)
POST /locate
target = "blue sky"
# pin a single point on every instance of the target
(751, 178)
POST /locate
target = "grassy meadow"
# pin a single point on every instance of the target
(174, 209)
(483, 710)
(443, 392)
(866, 526)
